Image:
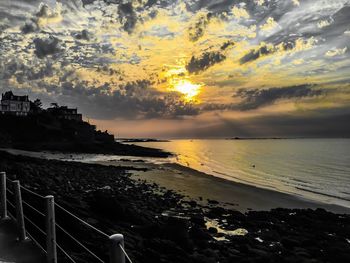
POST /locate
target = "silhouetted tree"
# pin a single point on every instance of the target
(54, 105)
(36, 106)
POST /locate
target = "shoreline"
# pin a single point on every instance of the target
(159, 223)
(235, 195)
(193, 184)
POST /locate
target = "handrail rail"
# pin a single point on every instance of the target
(35, 225)
(82, 221)
(126, 254)
(10, 192)
(65, 253)
(79, 243)
(31, 192)
(11, 204)
(116, 243)
(33, 208)
(36, 242)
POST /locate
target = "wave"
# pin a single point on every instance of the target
(324, 194)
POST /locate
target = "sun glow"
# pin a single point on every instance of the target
(188, 89)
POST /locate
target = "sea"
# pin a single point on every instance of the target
(315, 169)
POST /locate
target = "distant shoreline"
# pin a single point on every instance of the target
(141, 140)
(126, 140)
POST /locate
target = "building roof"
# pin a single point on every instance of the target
(8, 95)
(63, 110)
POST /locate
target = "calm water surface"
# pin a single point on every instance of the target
(317, 169)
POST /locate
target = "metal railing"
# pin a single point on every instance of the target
(117, 253)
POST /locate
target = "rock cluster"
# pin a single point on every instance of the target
(161, 226)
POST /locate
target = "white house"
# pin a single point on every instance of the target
(12, 104)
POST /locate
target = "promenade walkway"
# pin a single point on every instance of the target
(13, 251)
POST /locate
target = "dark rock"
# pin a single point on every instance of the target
(212, 230)
(289, 242)
(198, 219)
(213, 202)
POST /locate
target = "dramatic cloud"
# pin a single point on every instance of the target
(255, 54)
(127, 16)
(197, 29)
(83, 35)
(295, 45)
(256, 98)
(134, 100)
(44, 16)
(205, 61)
(182, 59)
(47, 46)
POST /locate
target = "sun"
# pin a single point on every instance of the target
(188, 89)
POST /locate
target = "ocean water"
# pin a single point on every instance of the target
(316, 169)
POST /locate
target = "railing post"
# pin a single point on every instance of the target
(116, 254)
(3, 212)
(19, 211)
(50, 230)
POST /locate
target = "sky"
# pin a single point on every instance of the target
(185, 68)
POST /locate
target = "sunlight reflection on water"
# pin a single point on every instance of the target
(318, 169)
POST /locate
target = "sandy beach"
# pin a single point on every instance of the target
(199, 186)
(203, 187)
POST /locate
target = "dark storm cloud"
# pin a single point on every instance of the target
(46, 46)
(205, 61)
(82, 35)
(128, 16)
(27, 73)
(255, 54)
(256, 98)
(264, 50)
(227, 45)
(87, 2)
(197, 29)
(252, 99)
(29, 27)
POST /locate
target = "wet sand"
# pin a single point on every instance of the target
(203, 187)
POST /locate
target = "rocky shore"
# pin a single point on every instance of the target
(161, 226)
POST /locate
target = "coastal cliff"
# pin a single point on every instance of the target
(45, 131)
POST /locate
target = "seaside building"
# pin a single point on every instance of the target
(12, 104)
(63, 112)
